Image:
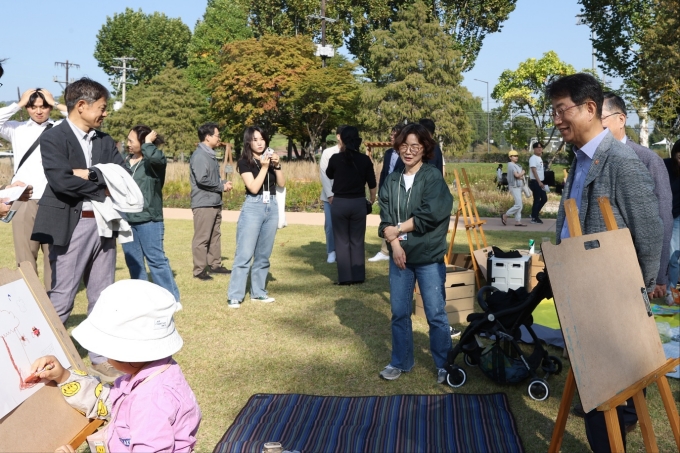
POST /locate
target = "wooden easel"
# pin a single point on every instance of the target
(473, 224)
(658, 376)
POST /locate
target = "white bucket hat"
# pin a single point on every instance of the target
(132, 321)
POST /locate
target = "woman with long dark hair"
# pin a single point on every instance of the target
(147, 164)
(260, 168)
(673, 167)
(350, 171)
(415, 208)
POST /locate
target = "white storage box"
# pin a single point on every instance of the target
(508, 273)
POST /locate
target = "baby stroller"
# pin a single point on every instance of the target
(501, 359)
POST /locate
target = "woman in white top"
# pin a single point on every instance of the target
(515, 181)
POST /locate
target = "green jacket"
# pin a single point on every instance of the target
(430, 206)
(149, 174)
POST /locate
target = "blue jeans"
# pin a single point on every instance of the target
(675, 255)
(431, 278)
(328, 227)
(255, 233)
(148, 243)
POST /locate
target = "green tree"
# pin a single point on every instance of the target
(253, 79)
(167, 103)
(417, 74)
(466, 22)
(638, 41)
(224, 21)
(153, 39)
(523, 90)
(320, 100)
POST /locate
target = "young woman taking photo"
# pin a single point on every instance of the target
(261, 171)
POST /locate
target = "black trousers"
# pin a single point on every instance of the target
(349, 232)
(540, 198)
(596, 427)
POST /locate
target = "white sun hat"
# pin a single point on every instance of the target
(132, 321)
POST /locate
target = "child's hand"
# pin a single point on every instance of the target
(51, 369)
(65, 449)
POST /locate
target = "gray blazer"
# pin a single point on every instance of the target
(204, 177)
(662, 190)
(617, 173)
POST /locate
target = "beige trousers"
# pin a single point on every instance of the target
(24, 248)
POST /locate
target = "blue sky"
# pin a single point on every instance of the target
(37, 33)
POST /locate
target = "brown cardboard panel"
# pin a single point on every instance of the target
(45, 421)
(467, 303)
(461, 260)
(456, 276)
(481, 256)
(460, 292)
(598, 297)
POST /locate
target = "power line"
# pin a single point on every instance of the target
(66, 64)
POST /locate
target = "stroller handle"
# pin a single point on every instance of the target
(481, 296)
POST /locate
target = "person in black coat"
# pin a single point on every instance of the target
(350, 171)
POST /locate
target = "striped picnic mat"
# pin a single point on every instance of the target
(403, 423)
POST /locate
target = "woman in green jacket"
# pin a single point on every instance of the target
(147, 164)
(415, 208)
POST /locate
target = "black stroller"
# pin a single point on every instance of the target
(501, 359)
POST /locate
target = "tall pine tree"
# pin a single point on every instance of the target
(417, 74)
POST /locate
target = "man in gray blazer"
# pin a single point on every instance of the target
(614, 118)
(605, 167)
(65, 218)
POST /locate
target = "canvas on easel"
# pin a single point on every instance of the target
(600, 298)
(34, 418)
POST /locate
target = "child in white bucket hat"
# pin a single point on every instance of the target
(151, 407)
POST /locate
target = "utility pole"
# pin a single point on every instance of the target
(125, 68)
(323, 51)
(488, 118)
(66, 64)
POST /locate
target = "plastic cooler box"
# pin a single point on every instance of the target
(508, 273)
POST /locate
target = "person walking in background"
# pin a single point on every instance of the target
(350, 171)
(28, 169)
(391, 162)
(327, 195)
(147, 164)
(206, 204)
(536, 177)
(673, 168)
(415, 208)
(260, 168)
(515, 181)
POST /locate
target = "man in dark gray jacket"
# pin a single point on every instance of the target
(614, 118)
(605, 167)
(206, 204)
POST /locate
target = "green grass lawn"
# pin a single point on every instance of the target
(322, 339)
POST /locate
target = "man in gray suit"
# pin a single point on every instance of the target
(605, 167)
(65, 218)
(614, 118)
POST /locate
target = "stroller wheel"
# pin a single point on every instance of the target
(552, 365)
(538, 390)
(469, 360)
(456, 378)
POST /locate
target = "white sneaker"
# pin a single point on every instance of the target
(264, 299)
(331, 258)
(380, 256)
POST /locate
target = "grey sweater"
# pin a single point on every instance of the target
(617, 173)
(204, 175)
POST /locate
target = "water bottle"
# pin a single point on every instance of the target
(531, 246)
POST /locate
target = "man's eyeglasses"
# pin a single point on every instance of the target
(559, 113)
(0, 84)
(612, 114)
(414, 149)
